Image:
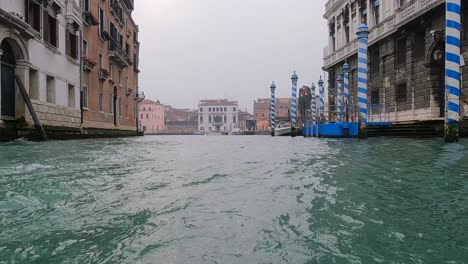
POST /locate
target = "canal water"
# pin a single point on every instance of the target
(251, 199)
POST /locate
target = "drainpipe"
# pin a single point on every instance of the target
(81, 71)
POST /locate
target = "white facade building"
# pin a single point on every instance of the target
(40, 43)
(218, 115)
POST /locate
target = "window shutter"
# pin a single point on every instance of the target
(68, 43)
(46, 27)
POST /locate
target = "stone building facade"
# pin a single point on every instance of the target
(218, 115)
(38, 43)
(110, 78)
(262, 112)
(152, 117)
(406, 56)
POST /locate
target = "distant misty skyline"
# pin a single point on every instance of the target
(215, 49)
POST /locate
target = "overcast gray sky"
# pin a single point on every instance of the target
(213, 49)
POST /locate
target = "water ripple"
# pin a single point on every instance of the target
(233, 200)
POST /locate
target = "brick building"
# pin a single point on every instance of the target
(262, 112)
(152, 117)
(110, 80)
(406, 55)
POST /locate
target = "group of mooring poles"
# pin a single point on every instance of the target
(452, 83)
(317, 112)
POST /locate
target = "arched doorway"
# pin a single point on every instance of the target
(8, 89)
(116, 113)
(437, 71)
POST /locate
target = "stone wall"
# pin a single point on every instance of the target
(55, 115)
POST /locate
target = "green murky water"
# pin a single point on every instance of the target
(234, 200)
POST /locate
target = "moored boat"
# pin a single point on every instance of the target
(283, 129)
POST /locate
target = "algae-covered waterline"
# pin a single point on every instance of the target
(248, 199)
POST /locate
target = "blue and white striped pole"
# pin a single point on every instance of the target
(339, 100)
(273, 109)
(363, 34)
(346, 90)
(452, 70)
(322, 100)
(294, 79)
(313, 110)
(313, 105)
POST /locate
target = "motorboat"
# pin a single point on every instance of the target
(283, 129)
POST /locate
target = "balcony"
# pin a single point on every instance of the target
(105, 35)
(89, 19)
(103, 74)
(140, 97)
(118, 54)
(129, 4)
(117, 10)
(88, 64)
(388, 26)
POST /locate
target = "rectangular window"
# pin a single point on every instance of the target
(209, 109)
(50, 89)
(201, 119)
(85, 48)
(201, 109)
(84, 97)
(465, 22)
(33, 84)
(375, 60)
(401, 51)
(401, 92)
(33, 15)
(375, 96)
(101, 108)
(376, 10)
(71, 96)
(111, 103)
(100, 61)
(102, 21)
(71, 44)
(234, 120)
(86, 5)
(209, 119)
(225, 109)
(50, 29)
(420, 44)
(120, 106)
(234, 109)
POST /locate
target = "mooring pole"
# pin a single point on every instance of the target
(294, 79)
(339, 99)
(346, 90)
(314, 110)
(273, 109)
(30, 106)
(452, 70)
(321, 106)
(363, 34)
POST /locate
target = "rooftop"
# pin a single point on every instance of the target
(218, 102)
